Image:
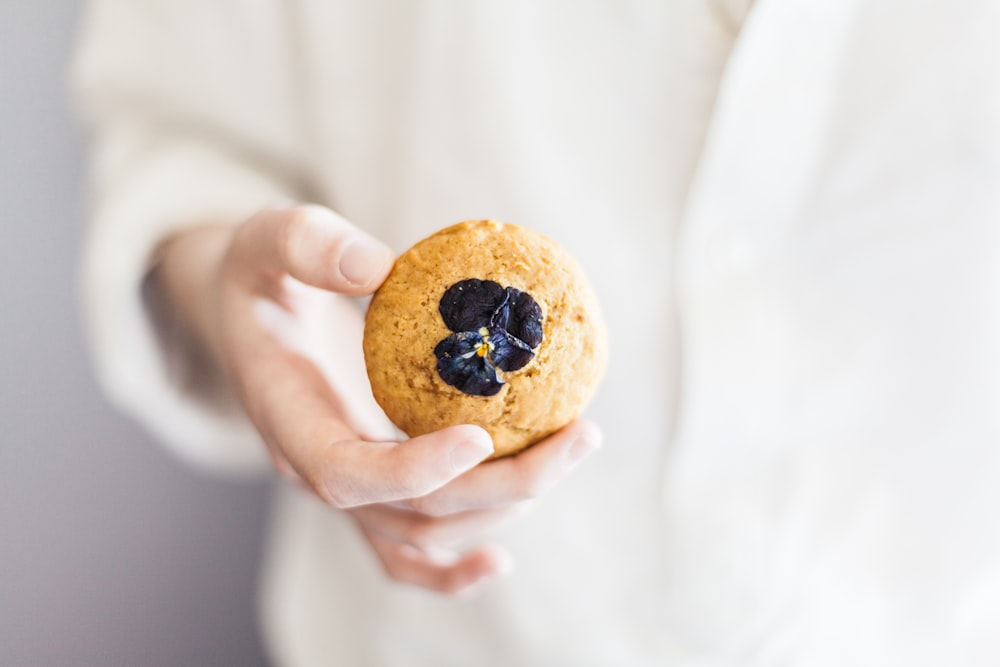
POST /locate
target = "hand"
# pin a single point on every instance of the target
(416, 537)
(251, 294)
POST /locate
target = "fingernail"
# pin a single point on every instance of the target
(468, 453)
(586, 443)
(364, 260)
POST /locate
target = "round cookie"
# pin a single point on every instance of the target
(485, 323)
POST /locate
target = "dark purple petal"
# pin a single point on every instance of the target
(470, 304)
(460, 365)
(458, 344)
(525, 317)
(509, 353)
(501, 316)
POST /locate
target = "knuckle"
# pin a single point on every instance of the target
(421, 534)
(331, 493)
(396, 478)
(331, 479)
(251, 227)
(292, 227)
(418, 504)
(407, 483)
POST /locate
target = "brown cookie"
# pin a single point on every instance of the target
(485, 323)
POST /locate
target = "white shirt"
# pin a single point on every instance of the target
(791, 222)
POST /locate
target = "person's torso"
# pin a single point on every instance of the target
(800, 408)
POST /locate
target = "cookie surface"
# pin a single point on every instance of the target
(485, 323)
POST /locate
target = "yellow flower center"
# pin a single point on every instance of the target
(486, 346)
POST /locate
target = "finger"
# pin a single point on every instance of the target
(451, 574)
(346, 471)
(352, 472)
(518, 478)
(427, 533)
(316, 246)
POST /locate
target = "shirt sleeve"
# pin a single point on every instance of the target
(191, 119)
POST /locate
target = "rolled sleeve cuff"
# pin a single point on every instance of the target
(148, 190)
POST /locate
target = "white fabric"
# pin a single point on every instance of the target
(800, 275)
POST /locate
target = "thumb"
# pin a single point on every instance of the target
(318, 247)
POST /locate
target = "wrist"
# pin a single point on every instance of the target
(186, 268)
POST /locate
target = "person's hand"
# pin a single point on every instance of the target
(416, 537)
(251, 294)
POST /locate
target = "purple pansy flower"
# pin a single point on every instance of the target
(495, 328)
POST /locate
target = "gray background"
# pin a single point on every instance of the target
(111, 553)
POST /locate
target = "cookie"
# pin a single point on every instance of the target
(485, 323)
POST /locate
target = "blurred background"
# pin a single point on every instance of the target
(111, 552)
